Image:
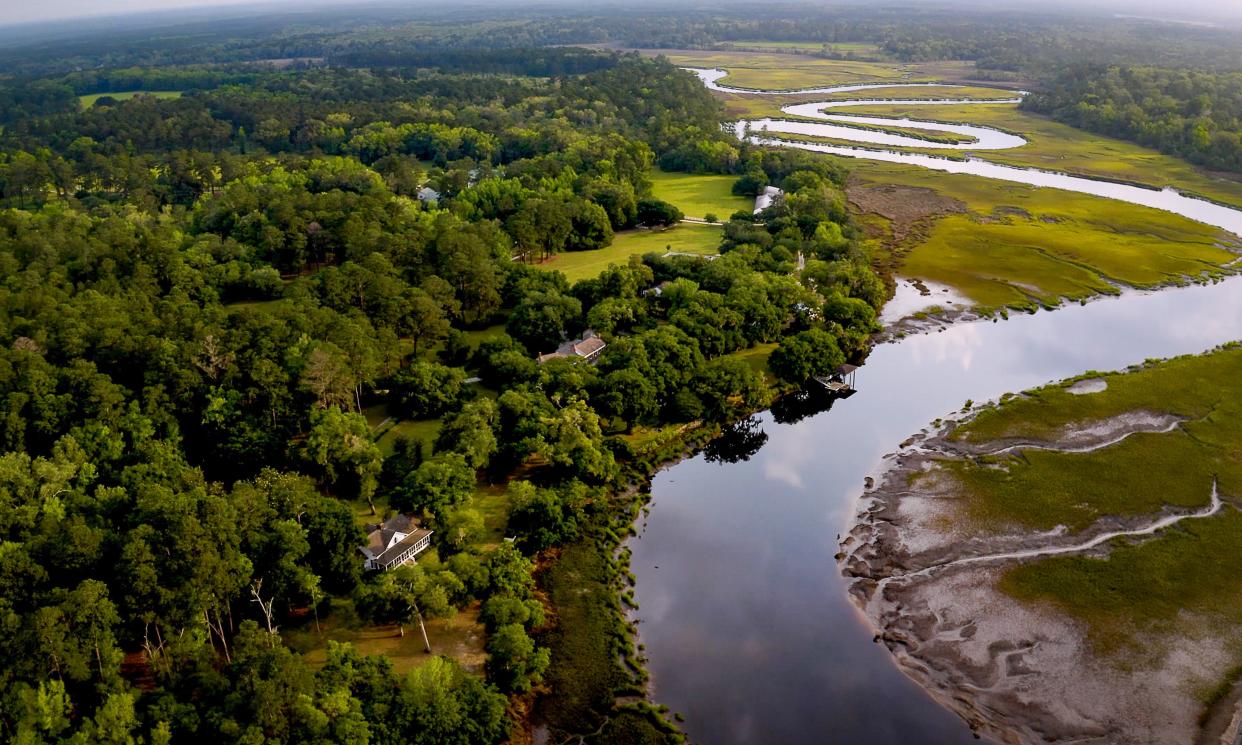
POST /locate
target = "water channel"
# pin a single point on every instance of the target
(744, 614)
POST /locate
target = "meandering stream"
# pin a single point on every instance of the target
(744, 614)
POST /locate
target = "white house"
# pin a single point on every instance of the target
(393, 543)
(766, 198)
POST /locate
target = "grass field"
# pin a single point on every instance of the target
(685, 237)
(89, 100)
(1024, 247)
(699, 195)
(757, 358)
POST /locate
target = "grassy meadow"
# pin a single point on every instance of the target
(88, 101)
(684, 237)
(699, 195)
(459, 636)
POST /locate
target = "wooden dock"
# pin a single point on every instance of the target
(841, 383)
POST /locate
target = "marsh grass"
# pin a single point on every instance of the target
(783, 71)
(1059, 147)
(1184, 581)
(1147, 587)
(1023, 247)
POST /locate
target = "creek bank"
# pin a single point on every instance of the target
(1017, 673)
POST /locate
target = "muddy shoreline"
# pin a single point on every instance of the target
(1017, 674)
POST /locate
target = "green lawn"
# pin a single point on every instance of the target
(89, 100)
(757, 357)
(699, 195)
(685, 237)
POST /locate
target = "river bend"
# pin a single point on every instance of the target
(743, 611)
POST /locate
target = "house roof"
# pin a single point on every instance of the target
(400, 547)
(379, 535)
(589, 346)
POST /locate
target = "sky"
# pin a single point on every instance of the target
(21, 11)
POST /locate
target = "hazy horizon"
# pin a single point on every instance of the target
(68, 10)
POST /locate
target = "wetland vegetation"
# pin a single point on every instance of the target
(261, 287)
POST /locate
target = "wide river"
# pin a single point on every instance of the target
(743, 609)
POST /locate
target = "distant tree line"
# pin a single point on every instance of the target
(1192, 114)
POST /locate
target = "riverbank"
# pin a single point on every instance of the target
(1019, 616)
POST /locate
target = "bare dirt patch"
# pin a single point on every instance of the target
(910, 209)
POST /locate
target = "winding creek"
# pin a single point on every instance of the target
(744, 613)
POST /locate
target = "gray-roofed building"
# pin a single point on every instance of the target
(588, 348)
(394, 542)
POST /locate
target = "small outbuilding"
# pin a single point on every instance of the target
(394, 542)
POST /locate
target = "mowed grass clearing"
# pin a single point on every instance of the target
(1023, 247)
(684, 237)
(89, 100)
(699, 195)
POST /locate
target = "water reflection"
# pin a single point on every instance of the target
(737, 443)
(746, 623)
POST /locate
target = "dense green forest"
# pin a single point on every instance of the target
(201, 296)
(1126, 77)
(1191, 114)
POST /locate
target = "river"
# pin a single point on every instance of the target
(743, 611)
